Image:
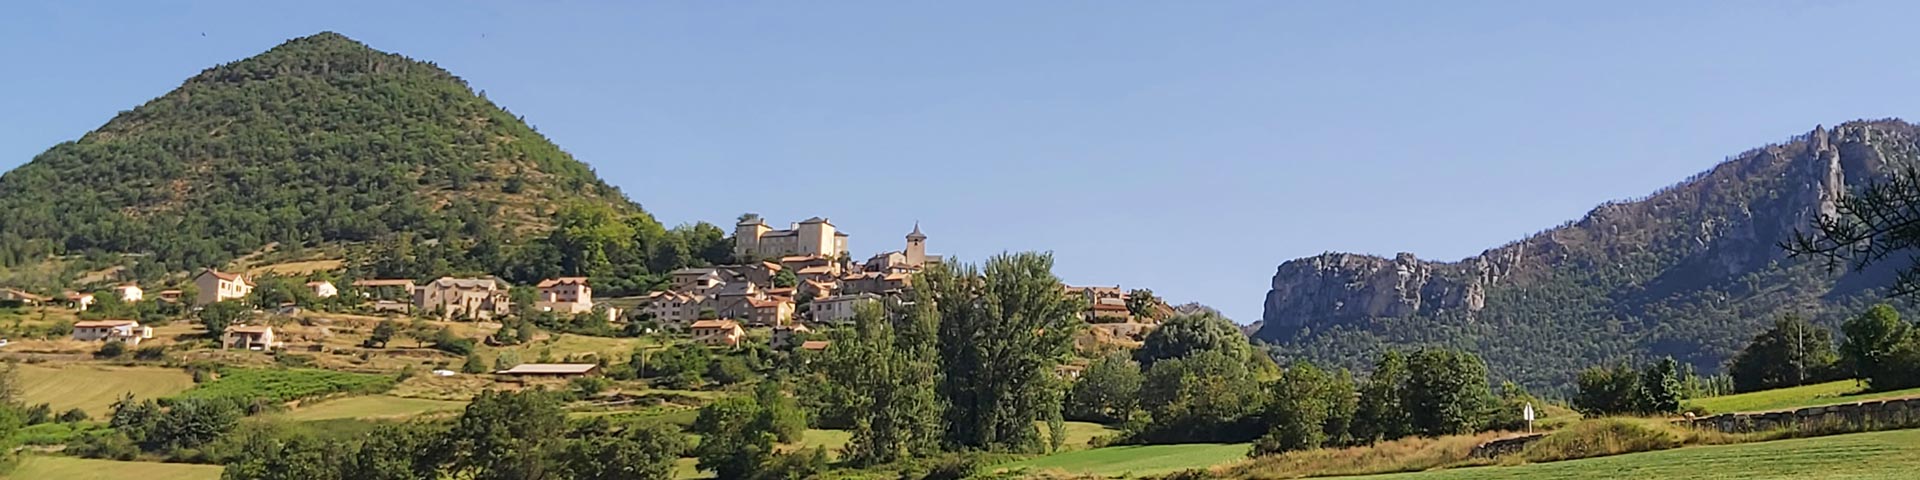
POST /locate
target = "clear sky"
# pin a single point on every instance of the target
(1189, 147)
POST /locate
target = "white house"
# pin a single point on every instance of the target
(323, 289)
(78, 301)
(566, 295)
(129, 293)
(127, 331)
(839, 308)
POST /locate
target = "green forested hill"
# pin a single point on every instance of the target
(320, 140)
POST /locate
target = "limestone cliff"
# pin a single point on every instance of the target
(1691, 270)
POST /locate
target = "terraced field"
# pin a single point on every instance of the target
(94, 388)
(69, 468)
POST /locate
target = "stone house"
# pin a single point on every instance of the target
(839, 308)
(323, 289)
(464, 298)
(565, 295)
(249, 337)
(753, 239)
(717, 332)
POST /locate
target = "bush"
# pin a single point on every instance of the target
(150, 353)
(73, 416)
(112, 349)
(589, 386)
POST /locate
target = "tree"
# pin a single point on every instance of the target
(1872, 336)
(218, 315)
(1306, 408)
(733, 444)
(421, 331)
(882, 386)
(1107, 391)
(1002, 331)
(1185, 335)
(264, 457)
(392, 451)
(383, 333)
(503, 436)
(1660, 388)
(644, 451)
(1142, 304)
(1381, 415)
(1446, 392)
(1206, 397)
(1792, 352)
(112, 349)
(473, 364)
(785, 279)
(1607, 390)
(779, 412)
(728, 370)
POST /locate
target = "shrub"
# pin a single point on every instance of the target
(74, 415)
(150, 353)
(112, 349)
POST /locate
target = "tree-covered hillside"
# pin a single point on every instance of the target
(320, 141)
(1693, 271)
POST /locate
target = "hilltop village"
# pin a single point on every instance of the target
(795, 282)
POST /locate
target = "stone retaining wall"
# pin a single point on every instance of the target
(1863, 416)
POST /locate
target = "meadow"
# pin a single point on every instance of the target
(1134, 460)
(1830, 393)
(1875, 455)
(94, 388)
(69, 468)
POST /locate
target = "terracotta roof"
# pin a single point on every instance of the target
(898, 276)
(771, 266)
(799, 258)
(769, 303)
(715, 324)
(319, 283)
(814, 270)
(815, 345)
(104, 323)
(561, 281)
(396, 282)
(250, 329)
(23, 295)
(466, 283)
(549, 369)
(72, 295)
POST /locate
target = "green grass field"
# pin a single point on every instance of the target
(1830, 393)
(95, 388)
(288, 384)
(68, 468)
(371, 407)
(1134, 460)
(1079, 433)
(1860, 456)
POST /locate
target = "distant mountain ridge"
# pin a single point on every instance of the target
(320, 139)
(1692, 271)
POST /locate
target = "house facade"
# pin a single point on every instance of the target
(566, 295)
(218, 286)
(125, 331)
(717, 332)
(674, 307)
(839, 308)
(771, 311)
(464, 298)
(129, 293)
(249, 337)
(323, 289)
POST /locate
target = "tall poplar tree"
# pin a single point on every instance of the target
(1002, 331)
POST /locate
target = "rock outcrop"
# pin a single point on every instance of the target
(1691, 270)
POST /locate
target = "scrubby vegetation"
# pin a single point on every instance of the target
(280, 385)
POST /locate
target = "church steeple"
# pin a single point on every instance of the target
(916, 235)
(916, 246)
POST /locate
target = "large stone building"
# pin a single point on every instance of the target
(754, 240)
(463, 298)
(218, 286)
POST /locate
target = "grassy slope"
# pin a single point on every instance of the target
(95, 388)
(1830, 393)
(1876, 455)
(67, 468)
(371, 407)
(1135, 460)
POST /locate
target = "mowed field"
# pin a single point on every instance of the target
(69, 468)
(95, 388)
(1135, 460)
(371, 407)
(1830, 393)
(1859, 456)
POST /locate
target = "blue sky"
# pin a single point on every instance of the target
(1189, 147)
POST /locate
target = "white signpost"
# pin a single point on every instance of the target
(1527, 413)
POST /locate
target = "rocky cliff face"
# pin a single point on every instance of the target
(1690, 270)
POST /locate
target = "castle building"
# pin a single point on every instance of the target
(754, 240)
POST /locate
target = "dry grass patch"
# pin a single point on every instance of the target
(94, 388)
(1613, 436)
(1410, 454)
(297, 268)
